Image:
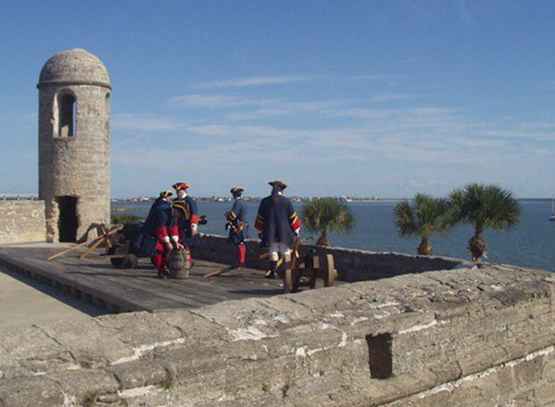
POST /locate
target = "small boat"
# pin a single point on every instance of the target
(552, 217)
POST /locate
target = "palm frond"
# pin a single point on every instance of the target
(327, 214)
(486, 206)
(429, 215)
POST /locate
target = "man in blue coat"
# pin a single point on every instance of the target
(278, 225)
(237, 226)
(159, 229)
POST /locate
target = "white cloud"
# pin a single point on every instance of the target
(214, 101)
(146, 122)
(260, 107)
(409, 145)
(252, 81)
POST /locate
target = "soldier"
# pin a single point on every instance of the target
(189, 220)
(161, 203)
(237, 225)
(189, 223)
(161, 226)
(278, 225)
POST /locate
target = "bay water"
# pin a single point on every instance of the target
(529, 244)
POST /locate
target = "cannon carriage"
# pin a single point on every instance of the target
(125, 252)
(304, 270)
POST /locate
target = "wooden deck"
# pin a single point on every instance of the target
(95, 280)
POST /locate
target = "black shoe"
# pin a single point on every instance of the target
(229, 268)
(163, 275)
(270, 274)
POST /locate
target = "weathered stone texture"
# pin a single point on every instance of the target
(22, 221)
(77, 166)
(480, 337)
(352, 265)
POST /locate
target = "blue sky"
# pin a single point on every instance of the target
(385, 98)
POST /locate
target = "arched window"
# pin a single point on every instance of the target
(67, 115)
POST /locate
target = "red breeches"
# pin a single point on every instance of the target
(159, 259)
(241, 254)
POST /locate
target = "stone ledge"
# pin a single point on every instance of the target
(352, 264)
(396, 341)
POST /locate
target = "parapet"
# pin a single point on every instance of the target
(464, 337)
(22, 221)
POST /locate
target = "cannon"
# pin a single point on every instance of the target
(123, 253)
(305, 270)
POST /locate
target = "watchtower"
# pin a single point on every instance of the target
(74, 143)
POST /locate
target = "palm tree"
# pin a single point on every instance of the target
(429, 215)
(323, 215)
(483, 207)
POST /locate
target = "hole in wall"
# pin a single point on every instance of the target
(380, 355)
(67, 220)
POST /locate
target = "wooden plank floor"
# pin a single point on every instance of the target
(139, 289)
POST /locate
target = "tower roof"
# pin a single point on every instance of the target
(74, 67)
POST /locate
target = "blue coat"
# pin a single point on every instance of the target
(160, 214)
(185, 228)
(277, 220)
(235, 217)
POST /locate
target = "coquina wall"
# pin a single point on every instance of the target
(352, 265)
(22, 221)
(466, 337)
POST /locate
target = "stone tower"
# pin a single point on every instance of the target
(74, 144)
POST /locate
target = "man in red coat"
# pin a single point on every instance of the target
(166, 230)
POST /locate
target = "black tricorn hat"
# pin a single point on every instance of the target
(278, 184)
(236, 189)
(166, 194)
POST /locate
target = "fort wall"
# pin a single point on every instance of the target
(479, 337)
(22, 221)
(352, 265)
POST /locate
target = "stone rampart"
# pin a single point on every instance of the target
(352, 265)
(479, 337)
(22, 221)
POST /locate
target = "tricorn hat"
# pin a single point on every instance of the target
(278, 184)
(181, 186)
(166, 194)
(236, 189)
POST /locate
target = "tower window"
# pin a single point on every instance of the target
(67, 115)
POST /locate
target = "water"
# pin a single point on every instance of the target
(529, 244)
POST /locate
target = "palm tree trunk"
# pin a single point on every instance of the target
(323, 239)
(477, 245)
(425, 248)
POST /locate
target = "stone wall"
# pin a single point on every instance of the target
(22, 221)
(352, 265)
(77, 166)
(480, 337)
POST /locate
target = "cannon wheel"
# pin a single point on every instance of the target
(288, 281)
(328, 268)
(311, 269)
(132, 261)
(291, 275)
(128, 261)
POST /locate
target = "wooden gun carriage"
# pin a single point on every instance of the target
(122, 251)
(305, 269)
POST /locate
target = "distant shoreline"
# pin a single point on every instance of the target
(296, 199)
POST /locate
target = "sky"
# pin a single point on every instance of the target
(367, 98)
